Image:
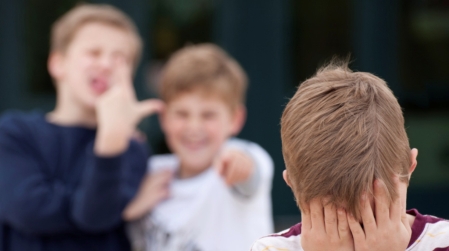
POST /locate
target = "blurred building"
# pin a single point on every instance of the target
(279, 43)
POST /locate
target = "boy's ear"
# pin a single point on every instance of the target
(239, 119)
(413, 156)
(54, 65)
(285, 176)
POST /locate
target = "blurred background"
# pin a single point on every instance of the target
(279, 43)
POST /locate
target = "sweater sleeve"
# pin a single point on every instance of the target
(105, 189)
(32, 202)
(97, 203)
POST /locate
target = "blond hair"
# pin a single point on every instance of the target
(206, 68)
(64, 29)
(340, 131)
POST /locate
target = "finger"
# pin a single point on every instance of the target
(232, 173)
(356, 229)
(406, 222)
(248, 166)
(220, 163)
(161, 178)
(166, 176)
(317, 214)
(369, 222)
(343, 225)
(396, 210)
(139, 136)
(239, 172)
(306, 221)
(122, 74)
(381, 201)
(148, 107)
(330, 220)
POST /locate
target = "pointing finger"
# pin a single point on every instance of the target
(395, 207)
(343, 225)
(317, 214)
(148, 107)
(382, 206)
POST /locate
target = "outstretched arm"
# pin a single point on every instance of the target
(244, 166)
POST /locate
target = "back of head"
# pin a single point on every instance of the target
(64, 29)
(206, 68)
(340, 131)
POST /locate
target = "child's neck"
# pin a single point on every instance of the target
(72, 115)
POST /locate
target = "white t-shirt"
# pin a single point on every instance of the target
(429, 233)
(204, 214)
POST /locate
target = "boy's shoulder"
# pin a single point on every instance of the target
(15, 117)
(19, 123)
(428, 232)
(289, 239)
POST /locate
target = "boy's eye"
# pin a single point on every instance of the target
(94, 52)
(209, 115)
(181, 114)
(119, 56)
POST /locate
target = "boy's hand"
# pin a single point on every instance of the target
(234, 166)
(153, 189)
(325, 228)
(387, 229)
(119, 112)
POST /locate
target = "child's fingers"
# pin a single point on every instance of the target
(148, 107)
(220, 163)
(306, 221)
(166, 176)
(243, 165)
(406, 223)
(317, 214)
(382, 207)
(232, 173)
(330, 220)
(158, 179)
(122, 74)
(369, 222)
(396, 210)
(343, 225)
(356, 229)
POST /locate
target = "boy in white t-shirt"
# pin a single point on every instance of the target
(219, 188)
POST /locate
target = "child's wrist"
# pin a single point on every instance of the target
(111, 142)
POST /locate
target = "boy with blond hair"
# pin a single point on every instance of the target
(66, 176)
(220, 193)
(349, 163)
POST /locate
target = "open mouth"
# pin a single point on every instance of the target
(99, 85)
(194, 145)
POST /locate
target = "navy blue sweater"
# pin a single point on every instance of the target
(55, 194)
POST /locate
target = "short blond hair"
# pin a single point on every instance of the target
(340, 131)
(206, 68)
(64, 29)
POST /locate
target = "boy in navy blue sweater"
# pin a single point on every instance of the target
(66, 176)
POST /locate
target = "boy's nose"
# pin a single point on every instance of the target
(106, 63)
(194, 124)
